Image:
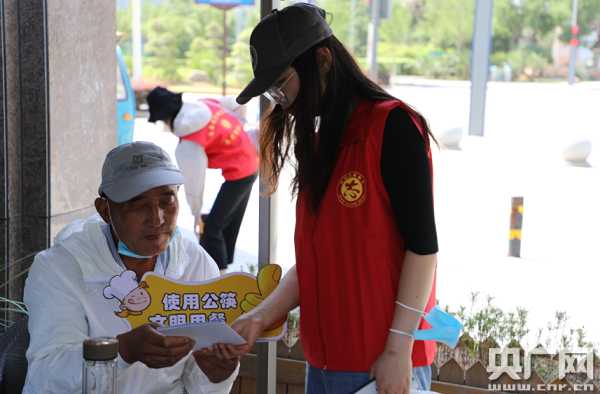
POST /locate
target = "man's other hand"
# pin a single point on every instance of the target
(146, 345)
(217, 369)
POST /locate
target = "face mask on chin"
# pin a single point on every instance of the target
(124, 249)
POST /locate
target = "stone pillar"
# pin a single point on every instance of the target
(59, 119)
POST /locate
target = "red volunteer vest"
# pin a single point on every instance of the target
(226, 144)
(349, 257)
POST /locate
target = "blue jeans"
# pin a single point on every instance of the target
(319, 381)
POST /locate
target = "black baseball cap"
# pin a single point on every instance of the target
(278, 39)
(163, 103)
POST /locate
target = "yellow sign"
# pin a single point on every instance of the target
(170, 302)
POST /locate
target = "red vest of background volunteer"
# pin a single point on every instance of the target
(226, 144)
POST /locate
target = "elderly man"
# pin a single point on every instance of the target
(136, 230)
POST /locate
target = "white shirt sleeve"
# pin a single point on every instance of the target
(230, 103)
(193, 162)
(57, 326)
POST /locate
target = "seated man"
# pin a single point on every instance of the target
(136, 230)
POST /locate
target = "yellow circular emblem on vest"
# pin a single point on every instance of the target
(351, 189)
(225, 123)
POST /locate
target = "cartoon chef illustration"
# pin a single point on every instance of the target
(133, 296)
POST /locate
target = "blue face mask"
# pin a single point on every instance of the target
(446, 328)
(124, 250)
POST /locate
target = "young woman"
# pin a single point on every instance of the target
(365, 235)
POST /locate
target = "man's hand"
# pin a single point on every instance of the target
(217, 369)
(146, 345)
(198, 226)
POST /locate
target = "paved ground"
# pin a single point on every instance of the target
(527, 125)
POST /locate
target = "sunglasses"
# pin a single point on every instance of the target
(274, 93)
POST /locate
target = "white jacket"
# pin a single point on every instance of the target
(64, 296)
(191, 157)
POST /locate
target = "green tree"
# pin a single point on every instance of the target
(536, 19)
(341, 24)
(163, 50)
(205, 52)
(588, 19)
(124, 20)
(508, 22)
(526, 62)
(240, 62)
(395, 32)
(450, 22)
(168, 30)
(542, 16)
(175, 32)
(531, 21)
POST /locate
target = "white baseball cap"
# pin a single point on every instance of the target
(134, 168)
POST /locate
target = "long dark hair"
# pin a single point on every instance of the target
(327, 113)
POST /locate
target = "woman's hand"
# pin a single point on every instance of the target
(283, 299)
(393, 369)
(392, 372)
(249, 327)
